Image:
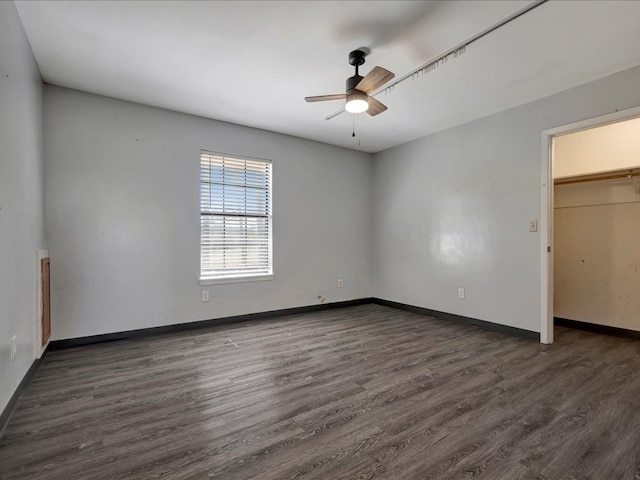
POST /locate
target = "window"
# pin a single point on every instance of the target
(235, 218)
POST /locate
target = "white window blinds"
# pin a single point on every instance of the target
(235, 217)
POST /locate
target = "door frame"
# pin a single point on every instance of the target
(546, 211)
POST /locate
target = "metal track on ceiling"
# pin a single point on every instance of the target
(455, 51)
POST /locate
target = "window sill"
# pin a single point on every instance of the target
(248, 278)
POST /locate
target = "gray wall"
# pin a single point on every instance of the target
(21, 197)
(123, 226)
(452, 209)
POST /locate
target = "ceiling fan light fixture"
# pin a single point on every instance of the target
(357, 102)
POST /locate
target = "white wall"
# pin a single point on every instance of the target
(452, 209)
(123, 226)
(21, 197)
(597, 253)
(601, 149)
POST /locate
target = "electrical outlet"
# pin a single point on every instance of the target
(14, 348)
(205, 295)
(533, 225)
(339, 283)
(460, 292)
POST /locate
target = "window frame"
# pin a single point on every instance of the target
(239, 277)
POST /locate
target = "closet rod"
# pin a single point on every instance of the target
(596, 178)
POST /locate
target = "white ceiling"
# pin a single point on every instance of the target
(253, 62)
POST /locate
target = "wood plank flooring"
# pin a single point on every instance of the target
(366, 392)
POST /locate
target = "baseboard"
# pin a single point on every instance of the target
(13, 401)
(495, 327)
(145, 332)
(179, 327)
(592, 327)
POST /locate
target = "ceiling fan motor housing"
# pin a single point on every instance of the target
(352, 82)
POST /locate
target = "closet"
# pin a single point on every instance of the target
(596, 225)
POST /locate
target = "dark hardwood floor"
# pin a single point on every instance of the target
(364, 392)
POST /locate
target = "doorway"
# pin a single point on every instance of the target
(550, 140)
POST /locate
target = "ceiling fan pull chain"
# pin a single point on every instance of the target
(353, 134)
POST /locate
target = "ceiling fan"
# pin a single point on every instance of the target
(359, 88)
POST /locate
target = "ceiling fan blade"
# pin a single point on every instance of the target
(324, 98)
(375, 107)
(377, 77)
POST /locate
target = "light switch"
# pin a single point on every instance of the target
(533, 225)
